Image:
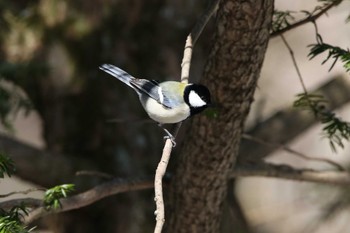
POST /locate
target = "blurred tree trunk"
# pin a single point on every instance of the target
(211, 148)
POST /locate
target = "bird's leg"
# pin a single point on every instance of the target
(168, 135)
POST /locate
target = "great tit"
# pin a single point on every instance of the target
(165, 102)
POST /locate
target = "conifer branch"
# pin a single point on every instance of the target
(282, 20)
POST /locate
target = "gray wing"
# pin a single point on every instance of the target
(172, 98)
(142, 86)
(118, 73)
(153, 90)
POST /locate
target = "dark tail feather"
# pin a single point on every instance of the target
(118, 73)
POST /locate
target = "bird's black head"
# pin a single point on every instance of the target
(197, 97)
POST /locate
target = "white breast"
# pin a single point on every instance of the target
(165, 115)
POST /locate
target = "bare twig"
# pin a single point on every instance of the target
(22, 192)
(192, 39)
(88, 197)
(291, 52)
(276, 130)
(288, 172)
(292, 151)
(185, 70)
(158, 186)
(28, 202)
(308, 19)
(94, 173)
(120, 186)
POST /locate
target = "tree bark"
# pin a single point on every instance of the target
(211, 148)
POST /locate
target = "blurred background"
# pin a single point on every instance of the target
(72, 116)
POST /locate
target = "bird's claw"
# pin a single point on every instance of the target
(171, 138)
(168, 135)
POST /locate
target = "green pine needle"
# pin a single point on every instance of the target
(10, 221)
(334, 52)
(52, 196)
(7, 165)
(336, 130)
(281, 19)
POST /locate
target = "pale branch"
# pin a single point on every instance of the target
(158, 182)
(311, 18)
(120, 186)
(158, 186)
(290, 173)
(22, 192)
(27, 202)
(185, 71)
(292, 151)
(192, 39)
(291, 52)
(92, 195)
(186, 61)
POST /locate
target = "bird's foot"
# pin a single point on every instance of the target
(172, 139)
(168, 135)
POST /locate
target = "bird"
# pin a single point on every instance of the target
(166, 102)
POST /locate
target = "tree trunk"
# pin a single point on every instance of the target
(211, 148)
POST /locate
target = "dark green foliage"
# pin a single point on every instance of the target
(347, 19)
(334, 128)
(305, 101)
(281, 19)
(211, 113)
(10, 221)
(12, 97)
(6, 165)
(11, 102)
(334, 52)
(8, 225)
(53, 195)
(284, 19)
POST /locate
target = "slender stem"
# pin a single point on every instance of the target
(291, 52)
(308, 19)
(288, 172)
(185, 71)
(92, 195)
(292, 151)
(158, 186)
(22, 192)
(192, 39)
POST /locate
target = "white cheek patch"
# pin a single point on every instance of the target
(195, 100)
(160, 94)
